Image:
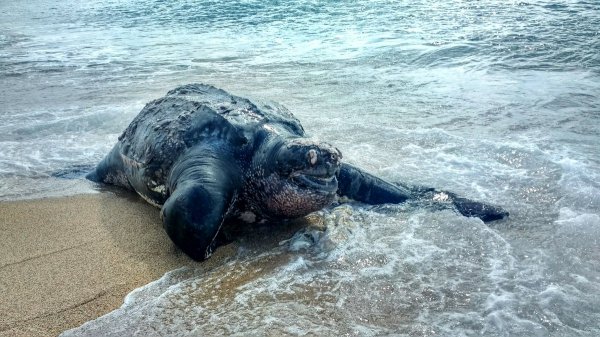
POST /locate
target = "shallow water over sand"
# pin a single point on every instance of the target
(496, 101)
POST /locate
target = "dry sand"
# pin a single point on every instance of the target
(64, 261)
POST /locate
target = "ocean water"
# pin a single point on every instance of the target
(496, 100)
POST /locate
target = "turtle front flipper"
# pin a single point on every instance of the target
(361, 186)
(203, 185)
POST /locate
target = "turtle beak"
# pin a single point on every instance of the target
(322, 163)
(323, 160)
(308, 157)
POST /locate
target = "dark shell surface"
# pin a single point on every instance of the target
(189, 116)
(195, 114)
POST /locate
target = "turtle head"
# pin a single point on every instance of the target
(308, 164)
(294, 177)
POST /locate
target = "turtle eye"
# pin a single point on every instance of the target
(312, 156)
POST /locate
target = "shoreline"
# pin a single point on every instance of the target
(68, 260)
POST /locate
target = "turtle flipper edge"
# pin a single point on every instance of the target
(203, 187)
(361, 186)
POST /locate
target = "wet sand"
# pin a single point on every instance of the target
(65, 261)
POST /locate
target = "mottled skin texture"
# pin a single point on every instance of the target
(204, 156)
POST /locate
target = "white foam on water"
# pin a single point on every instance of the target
(381, 278)
(501, 110)
(580, 183)
(401, 269)
(35, 146)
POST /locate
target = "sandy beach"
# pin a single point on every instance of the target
(65, 261)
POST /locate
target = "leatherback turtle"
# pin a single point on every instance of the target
(205, 156)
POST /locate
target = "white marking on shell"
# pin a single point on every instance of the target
(117, 178)
(312, 156)
(270, 129)
(248, 217)
(159, 189)
(149, 200)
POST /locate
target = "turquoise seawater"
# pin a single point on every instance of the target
(495, 100)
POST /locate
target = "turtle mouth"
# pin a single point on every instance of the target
(325, 183)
